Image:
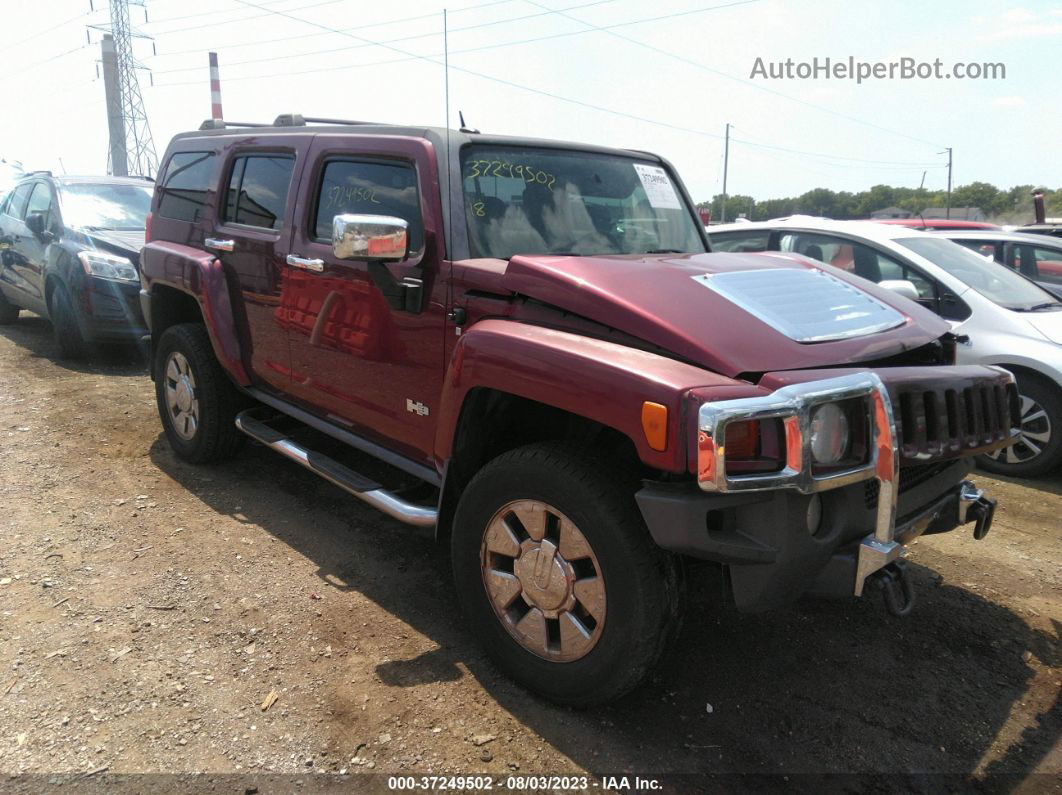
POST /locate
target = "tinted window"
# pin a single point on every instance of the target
(369, 189)
(985, 248)
(105, 205)
(258, 190)
(753, 240)
(183, 194)
(17, 205)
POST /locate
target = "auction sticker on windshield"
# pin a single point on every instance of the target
(658, 187)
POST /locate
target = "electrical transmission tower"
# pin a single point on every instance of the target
(131, 149)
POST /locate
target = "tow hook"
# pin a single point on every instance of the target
(979, 509)
(896, 588)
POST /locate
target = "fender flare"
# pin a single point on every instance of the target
(602, 381)
(200, 275)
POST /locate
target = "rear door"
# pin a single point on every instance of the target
(251, 235)
(31, 250)
(12, 230)
(359, 358)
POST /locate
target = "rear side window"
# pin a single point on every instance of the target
(183, 195)
(369, 188)
(258, 190)
(17, 205)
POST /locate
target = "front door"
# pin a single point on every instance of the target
(360, 358)
(29, 250)
(251, 236)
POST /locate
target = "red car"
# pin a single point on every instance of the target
(536, 334)
(935, 224)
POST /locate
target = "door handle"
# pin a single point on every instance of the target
(316, 265)
(219, 245)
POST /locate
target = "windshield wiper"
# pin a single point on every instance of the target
(1038, 307)
(665, 251)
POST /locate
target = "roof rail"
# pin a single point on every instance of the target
(221, 124)
(39, 173)
(298, 120)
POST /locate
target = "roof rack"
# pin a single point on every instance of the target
(221, 124)
(298, 120)
(283, 120)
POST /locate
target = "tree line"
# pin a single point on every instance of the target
(1013, 206)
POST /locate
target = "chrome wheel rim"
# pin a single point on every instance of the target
(182, 400)
(1035, 435)
(543, 580)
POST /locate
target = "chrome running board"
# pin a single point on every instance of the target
(331, 470)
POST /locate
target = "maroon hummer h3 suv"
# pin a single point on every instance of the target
(536, 331)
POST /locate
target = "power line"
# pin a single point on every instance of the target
(699, 65)
(37, 64)
(218, 23)
(215, 11)
(398, 40)
(258, 42)
(40, 33)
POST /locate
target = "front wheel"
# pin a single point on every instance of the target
(65, 325)
(1038, 451)
(558, 576)
(196, 401)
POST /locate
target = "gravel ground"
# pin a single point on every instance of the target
(251, 619)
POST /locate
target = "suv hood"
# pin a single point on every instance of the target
(667, 301)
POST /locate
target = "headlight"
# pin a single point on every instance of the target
(829, 434)
(108, 266)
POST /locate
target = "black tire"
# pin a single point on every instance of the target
(8, 311)
(1034, 393)
(214, 436)
(65, 325)
(641, 582)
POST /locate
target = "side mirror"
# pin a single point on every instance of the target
(901, 287)
(37, 223)
(379, 238)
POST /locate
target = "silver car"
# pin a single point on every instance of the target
(1000, 316)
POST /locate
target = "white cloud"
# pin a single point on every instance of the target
(1020, 23)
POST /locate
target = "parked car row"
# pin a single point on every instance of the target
(539, 334)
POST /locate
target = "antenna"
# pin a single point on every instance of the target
(449, 167)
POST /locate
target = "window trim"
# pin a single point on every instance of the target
(223, 188)
(310, 221)
(30, 185)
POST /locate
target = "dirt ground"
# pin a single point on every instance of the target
(148, 608)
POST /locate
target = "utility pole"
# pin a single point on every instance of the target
(116, 160)
(948, 212)
(726, 164)
(131, 149)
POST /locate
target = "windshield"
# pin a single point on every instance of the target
(995, 282)
(106, 205)
(523, 200)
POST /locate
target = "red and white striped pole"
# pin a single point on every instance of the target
(215, 88)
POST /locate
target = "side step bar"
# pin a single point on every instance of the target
(334, 472)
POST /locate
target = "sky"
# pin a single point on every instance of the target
(665, 76)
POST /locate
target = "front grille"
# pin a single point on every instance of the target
(935, 422)
(910, 477)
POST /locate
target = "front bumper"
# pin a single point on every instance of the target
(110, 310)
(772, 555)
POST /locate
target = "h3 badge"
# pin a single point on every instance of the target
(416, 407)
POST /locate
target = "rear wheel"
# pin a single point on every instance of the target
(8, 311)
(1038, 450)
(65, 326)
(197, 403)
(558, 577)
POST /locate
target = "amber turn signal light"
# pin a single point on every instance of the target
(654, 425)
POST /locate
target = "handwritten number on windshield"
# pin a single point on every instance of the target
(502, 168)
